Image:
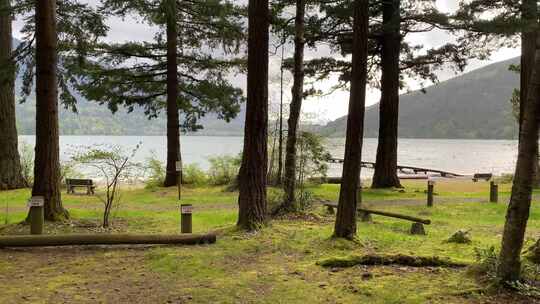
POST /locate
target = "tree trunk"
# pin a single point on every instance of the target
(47, 154)
(10, 165)
(252, 176)
(173, 120)
(385, 175)
(518, 210)
(279, 175)
(528, 41)
(295, 108)
(345, 226)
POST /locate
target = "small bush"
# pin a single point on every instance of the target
(193, 175)
(274, 198)
(155, 170)
(487, 262)
(223, 170)
(27, 163)
(305, 200)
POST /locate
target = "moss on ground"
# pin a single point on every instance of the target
(275, 265)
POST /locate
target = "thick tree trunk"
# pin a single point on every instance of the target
(385, 175)
(295, 108)
(345, 226)
(252, 176)
(173, 120)
(528, 42)
(47, 158)
(518, 210)
(10, 165)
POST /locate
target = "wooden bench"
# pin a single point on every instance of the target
(82, 183)
(483, 176)
(416, 228)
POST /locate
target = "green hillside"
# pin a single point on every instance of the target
(473, 105)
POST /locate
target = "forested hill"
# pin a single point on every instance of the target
(95, 119)
(474, 105)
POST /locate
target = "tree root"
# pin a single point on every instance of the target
(384, 260)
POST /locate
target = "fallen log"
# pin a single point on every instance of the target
(385, 260)
(395, 215)
(103, 239)
(387, 214)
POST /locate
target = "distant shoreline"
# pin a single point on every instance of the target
(241, 135)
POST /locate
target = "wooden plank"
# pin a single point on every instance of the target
(388, 214)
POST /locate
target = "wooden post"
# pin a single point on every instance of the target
(186, 211)
(493, 192)
(36, 214)
(430, 188)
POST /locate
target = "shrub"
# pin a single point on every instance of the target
(487, 261)
(155, 171)
(114, 165)
(193, 175)
(223, 169)
(27, 163)
(274, 199)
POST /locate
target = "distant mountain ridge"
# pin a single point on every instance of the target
(475, 105)
(95, 119)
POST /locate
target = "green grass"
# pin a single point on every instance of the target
(279, 263)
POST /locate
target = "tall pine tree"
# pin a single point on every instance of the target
(345, 226)
(56, 37)
(47, 156)
(10, 166)
(252, 177)
(506, 22)
(183, 69)
(385, 175)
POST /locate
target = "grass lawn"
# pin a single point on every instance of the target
(275, 265)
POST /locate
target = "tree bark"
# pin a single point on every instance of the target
(518, 210)
(279, 176)
(252, 176)
(529, 13)
(47, 153)
(295, 108)
(173, 120)
(10, 165)
(385, 175)
(345, 226)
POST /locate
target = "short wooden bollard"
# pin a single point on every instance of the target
(36, 214)
(430, 188)
(493, 192)
(186, 221)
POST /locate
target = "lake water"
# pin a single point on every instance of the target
(459, 156)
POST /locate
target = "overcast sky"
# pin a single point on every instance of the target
(323, 108)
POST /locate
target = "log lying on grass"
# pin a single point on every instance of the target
(395, 215)
(384, 260)
(384, 213)
(104, 239)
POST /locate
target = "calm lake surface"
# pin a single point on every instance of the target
(459, 156)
